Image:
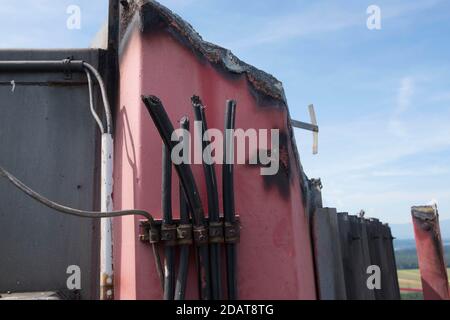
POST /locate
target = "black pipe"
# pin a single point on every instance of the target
(42, 66)
(183, 267)
(228, 197)
(213, 203)
(169, 250)
(165, 129)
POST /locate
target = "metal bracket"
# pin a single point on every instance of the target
(232, 232)
(201, 236)
(67, 71)
(186, 234)
(153, 235)
(310, 127)
(169, 234)
(216, 232)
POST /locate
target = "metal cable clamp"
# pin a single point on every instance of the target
(184, 234)
(232, 232)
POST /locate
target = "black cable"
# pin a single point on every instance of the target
(183, 267)
(169, 250)
(158, 263)
(228, 197)
(67, 210)
(213, 200)
(165, 129)
(80, 213)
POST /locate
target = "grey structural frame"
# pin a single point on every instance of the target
(64, 65)
(68, 66)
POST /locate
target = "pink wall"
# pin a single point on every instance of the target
(274, 256)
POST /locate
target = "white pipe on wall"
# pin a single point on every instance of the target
(65, 65)
(106, 259)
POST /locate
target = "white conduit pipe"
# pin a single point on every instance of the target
(106, 238)
(68, 65)
(106, 189)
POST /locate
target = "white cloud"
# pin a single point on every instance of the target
(404, 96)
(362, 145)
(42, 23)
(177, 4)
(397, 127)
(323, 17)
(441, 97)
(418, 172)
(363, 165)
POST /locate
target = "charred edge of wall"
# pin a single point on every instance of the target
(154, 16)
(266, 89)
(424, 213)
(283, 178)
(427, 219)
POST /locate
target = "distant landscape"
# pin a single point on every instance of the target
(411, 285)
(405, 245)
(406, 258)
(406, 231)
(408, 268)
(406, 255)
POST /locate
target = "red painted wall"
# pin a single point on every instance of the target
(430, 254)
(274, 256)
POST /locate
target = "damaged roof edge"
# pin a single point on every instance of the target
(153, 15)
(424, 213)
(148, 15)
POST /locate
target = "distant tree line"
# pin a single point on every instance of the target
(407, 258)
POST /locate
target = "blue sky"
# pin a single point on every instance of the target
(382, 97)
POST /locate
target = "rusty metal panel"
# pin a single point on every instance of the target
(430, 253)
(382, 255)
(364, 243)
(375, 243)
(393, 288)
(49, 140)
(362, 225)
(327, 255)
(345, 238)
(379, 257)
(355, 256)
(360, 261)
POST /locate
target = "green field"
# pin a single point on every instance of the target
(410, 279)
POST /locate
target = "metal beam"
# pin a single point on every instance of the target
(310, 127)
(305, 126)
(42, 66)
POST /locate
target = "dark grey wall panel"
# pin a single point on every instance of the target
(345, 237)
(49, 140)
(376, 251)
(393, 289)
(327, 255)
(359, 256)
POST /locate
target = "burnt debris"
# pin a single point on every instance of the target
(154, 16)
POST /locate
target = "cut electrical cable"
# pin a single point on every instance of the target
(67, 210)
(80, 213)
